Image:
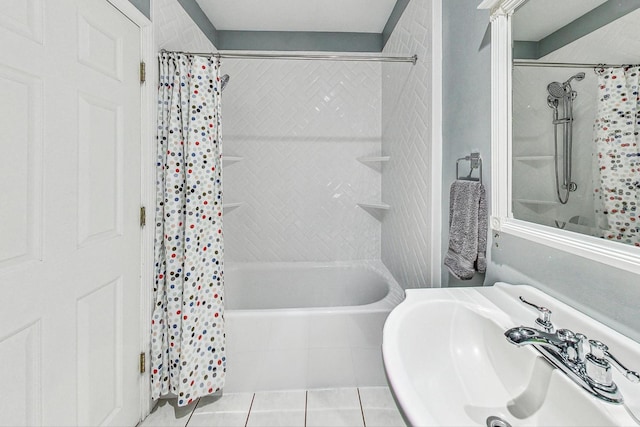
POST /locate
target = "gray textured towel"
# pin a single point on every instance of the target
(467, 230)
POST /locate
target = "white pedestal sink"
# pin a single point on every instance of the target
(449, 364)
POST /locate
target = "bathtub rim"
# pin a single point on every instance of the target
(394, 295)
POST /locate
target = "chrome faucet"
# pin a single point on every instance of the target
(586, 362)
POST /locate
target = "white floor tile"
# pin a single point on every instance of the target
(279, 401)
(382, 418)
(377, 398)
(276, 418)
(218, 419)
(168, 414)
(335, 418)
(334, 407)
(336, 398)
(228, 402)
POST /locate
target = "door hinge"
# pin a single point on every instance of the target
(143, 72)
(143, 216)
(142, 364)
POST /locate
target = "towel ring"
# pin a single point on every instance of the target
(475, 162)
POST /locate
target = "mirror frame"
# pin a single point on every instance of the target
(502, 221)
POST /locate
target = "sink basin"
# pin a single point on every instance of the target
(448, 362)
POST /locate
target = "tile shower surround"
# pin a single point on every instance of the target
(406, 137)
(300, 126)
(533, 148)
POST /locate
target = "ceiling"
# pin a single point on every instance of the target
(356, 16)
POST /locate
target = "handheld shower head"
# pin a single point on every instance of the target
(562, 94)
(578, 77)
(560, 90)
(556, 90)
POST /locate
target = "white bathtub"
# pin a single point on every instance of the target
(306, 325)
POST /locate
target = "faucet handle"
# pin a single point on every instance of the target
(574, 345)
(580, 347)
(544, 316)
(598, 365)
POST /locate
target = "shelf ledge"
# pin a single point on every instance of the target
(529, 158)
(533, 160)
(228, 160)
(536, 202)
(374, 159)
(378, 205)
(230, 206)
(538, 206)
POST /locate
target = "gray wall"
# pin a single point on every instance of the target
(603, 292)
(606, 293)
(466, 103)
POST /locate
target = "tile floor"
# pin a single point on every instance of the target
(363, 407)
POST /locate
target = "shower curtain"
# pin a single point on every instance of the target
(187, 331)
(617, 140)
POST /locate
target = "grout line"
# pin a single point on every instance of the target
(364, 422)
(249, 413)
(306, 399)
(192, 411)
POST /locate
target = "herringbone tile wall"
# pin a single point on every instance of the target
(300, 126)
(406, 137)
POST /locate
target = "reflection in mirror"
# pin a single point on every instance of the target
(576, 117)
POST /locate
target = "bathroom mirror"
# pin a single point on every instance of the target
(557, 111)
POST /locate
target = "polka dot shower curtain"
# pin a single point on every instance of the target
(187, 331)
(617, 140)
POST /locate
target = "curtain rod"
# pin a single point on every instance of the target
(303, 56)
(526, 63)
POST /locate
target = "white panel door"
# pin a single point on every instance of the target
(69, 201)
